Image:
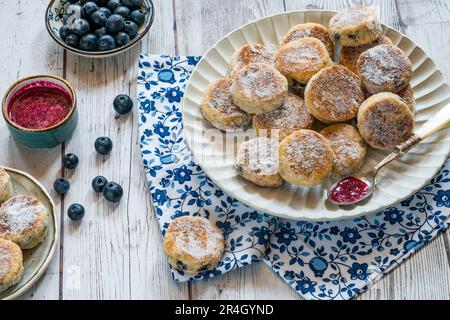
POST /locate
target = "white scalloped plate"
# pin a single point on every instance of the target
(36, 260)
(397, 181)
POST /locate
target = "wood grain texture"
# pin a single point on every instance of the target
(23, 54)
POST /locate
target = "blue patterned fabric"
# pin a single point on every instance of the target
(320, 260)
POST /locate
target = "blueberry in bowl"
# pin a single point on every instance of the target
(116, 25)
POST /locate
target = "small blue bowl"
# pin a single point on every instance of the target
(41, 138)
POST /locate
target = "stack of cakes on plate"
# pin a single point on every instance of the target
(23, 225)
(314, 117)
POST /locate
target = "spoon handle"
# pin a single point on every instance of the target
(437, 122)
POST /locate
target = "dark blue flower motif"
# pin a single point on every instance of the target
(263, 235)
(350, 235)
(218, 193)
(358, 271)
(334, 230)
(147, 132)
(442, 198)
(286, 235)
(174, 94)
(393, 215)
(147, 106)
(394, 251)
(192, 61)
(161, 130)
(305, 285)
(182, 174)
(226, 228)
(159, 196)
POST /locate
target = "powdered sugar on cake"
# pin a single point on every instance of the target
(19, 214)
(197, 238)
(261, 81)
(353, 16)
(5, 261)
(259, 156)
(221, 98)
(301, 56)
(383, 64)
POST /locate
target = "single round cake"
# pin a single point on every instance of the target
(259, 88)
(299, 60)
(280, 123)
(257, 161)
(385, 121)
(251, 53)
(349, 55)
(355, 26)
(384, 68)
(334, 94)
(6, 190)
(348, 147)
(313, 30)
(23, 220)
(11, 264)
(219, 109)
(306, 158)
(193, 244)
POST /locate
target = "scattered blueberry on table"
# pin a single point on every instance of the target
(75, 212)
(113, 192)
(99, 183)
(101, 25)
(123, 104)
(61, 185)
(70, 161)
(103, 145)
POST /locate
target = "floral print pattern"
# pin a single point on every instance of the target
(320, 260)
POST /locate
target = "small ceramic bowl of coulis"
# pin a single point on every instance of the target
(40, 111)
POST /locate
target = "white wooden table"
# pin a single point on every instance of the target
(116, 251)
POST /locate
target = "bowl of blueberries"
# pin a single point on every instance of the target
(99, 28)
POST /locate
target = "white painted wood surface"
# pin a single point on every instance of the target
(115, 253)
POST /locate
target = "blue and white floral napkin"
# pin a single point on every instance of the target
(321, 260)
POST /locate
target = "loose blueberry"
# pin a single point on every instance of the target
(99, 18)
(64, 31)
(122, 39)
(123, 11)
(99, 183)
(103, 145)
(132, 4)
(113, 192)
(123, 104)
(131, 28)
(72, 40)
(70, 161)
(115, 23)
(138, 17)
(75, 212)
(80, 27)
(61, 185)
(89, 8)
(100, 33)
(113, 4)
(106, 43)
(88, 42)
(105, 10)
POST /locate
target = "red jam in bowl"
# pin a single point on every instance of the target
(39, 105)
(349, 190)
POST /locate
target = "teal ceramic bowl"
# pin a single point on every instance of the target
(41, 138)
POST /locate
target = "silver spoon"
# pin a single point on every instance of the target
(437, 122)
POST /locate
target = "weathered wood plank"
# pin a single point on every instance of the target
(23, 54)
(115, 253)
